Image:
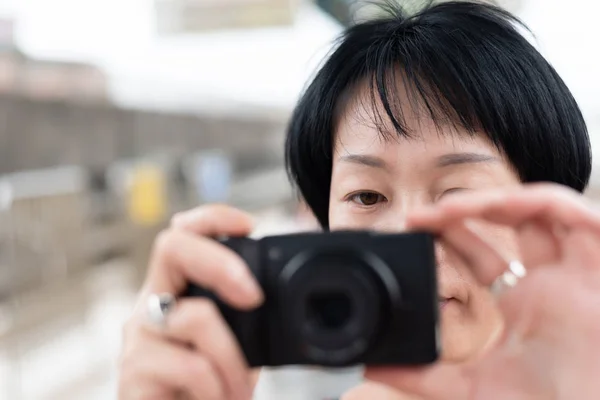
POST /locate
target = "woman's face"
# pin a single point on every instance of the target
(376, 182)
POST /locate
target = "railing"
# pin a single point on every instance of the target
(39, 229)
(52, 236)
(47, 134)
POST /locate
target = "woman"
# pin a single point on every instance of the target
(439, 121)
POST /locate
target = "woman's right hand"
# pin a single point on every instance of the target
(195, 354)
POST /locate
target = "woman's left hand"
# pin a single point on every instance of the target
(551, 345)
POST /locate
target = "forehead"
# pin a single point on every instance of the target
(363, 127)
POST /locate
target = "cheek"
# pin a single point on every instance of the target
(341, 217)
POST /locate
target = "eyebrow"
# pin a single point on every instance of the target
(463, 158)
(364, 159)
(446, 160)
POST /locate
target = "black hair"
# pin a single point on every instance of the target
(467, 63)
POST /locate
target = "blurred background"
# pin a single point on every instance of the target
(115, 114)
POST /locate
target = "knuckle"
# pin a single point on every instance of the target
(177, 219)
(199, 314)
(206, 311)
(207, 218)
(128, 329)
(132, 330)
(200, 373)
(197, 367)
(197, 215)
(165, 242)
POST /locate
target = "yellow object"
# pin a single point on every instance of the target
(147, 195)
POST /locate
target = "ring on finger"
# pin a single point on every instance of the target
(158, 308)
(510, 278)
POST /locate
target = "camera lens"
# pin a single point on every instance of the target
(332, 304)
(329, 310)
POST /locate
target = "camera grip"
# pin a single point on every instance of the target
(247, 326)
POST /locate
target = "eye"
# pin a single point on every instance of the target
(452, 191)
(367, 199)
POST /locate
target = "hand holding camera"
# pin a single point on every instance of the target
(193, 352)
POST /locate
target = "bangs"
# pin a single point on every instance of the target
(448, 78)
(396, 101)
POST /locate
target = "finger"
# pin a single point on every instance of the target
(512, 207)
(375, 391)
(214, 220)
(199, 323)
(181, 257)
(539, 243)
(582, 248)
(532, 308)
(543, 243)
(485, 261)
(438, 382)
(173, 367)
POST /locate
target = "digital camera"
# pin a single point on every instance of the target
(338, 299)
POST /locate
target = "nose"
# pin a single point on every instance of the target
(401, 208)
(401, 225)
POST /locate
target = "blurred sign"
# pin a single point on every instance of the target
(147, 195)
(211, 177)
(179, 16)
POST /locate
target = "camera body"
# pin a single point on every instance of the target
(338, 299)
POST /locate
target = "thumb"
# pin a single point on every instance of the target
(437, 382)
(375, 391)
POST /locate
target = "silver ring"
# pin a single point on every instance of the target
(509, 279)
(158, 307)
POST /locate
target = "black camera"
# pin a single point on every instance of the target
(338, 299)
